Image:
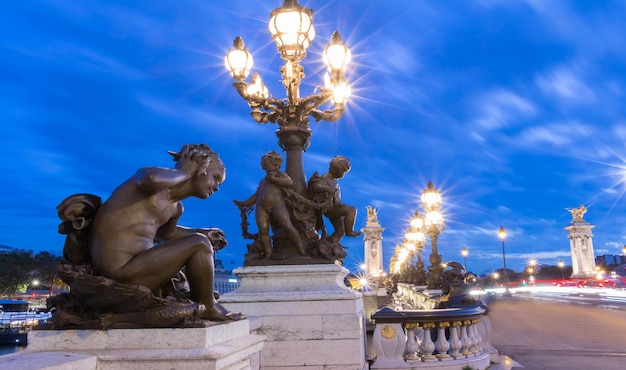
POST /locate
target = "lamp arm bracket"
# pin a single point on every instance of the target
(327, 115)
(315, 100)
(241, 87)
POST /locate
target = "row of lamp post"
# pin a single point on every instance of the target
(415, 241)
(431, 224)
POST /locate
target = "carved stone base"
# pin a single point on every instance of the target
(226, 345)
(310, 317)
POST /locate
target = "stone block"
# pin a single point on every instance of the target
(344, 353)
(159, 338)
(48, 361)
(346, 326)
(302, 327)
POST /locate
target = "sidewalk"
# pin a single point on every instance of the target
(544, 335)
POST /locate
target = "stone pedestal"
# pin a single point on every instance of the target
(226, 345)
(309, 316)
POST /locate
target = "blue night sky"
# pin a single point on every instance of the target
(514, 109)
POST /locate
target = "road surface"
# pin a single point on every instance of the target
(540, 334)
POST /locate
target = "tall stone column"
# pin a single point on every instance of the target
(373, 244)
(581, 244)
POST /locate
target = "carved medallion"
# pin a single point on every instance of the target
(388, 332)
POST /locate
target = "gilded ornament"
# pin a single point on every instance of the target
(388, 332)
(428, 325)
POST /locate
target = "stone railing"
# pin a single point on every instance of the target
(418, 338)
(417, 297)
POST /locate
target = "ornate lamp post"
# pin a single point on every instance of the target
(464, 252)
(502, 235)
(417, 232)
(394, 262)
(291, 27)
(402, 263)
(433, 223)
(409, 246)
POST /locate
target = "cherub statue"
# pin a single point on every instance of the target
(134, 240)
(325, 189)
(269, 204)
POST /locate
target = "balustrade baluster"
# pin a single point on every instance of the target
(476, 348)
(471, 336)
(455, 341)
(428, 346)
(467, 343)
(412, 348)
(442, 345)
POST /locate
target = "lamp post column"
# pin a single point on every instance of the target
(434, 270)
(421, 273)
(502, 235)
(431, 200)
(294, 140)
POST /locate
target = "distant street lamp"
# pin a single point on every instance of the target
(531, 270)
(410, 265)
(561, 266)
(434, 224)
(502, 235)
(532, 267)
(416, 235)
(464, 253)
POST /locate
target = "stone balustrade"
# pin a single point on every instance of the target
(420, 338)
(417, 297)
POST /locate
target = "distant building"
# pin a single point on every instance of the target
(610, 259)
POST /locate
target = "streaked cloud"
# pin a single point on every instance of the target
(567, 84)
(500, 108)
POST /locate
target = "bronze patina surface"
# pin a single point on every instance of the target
(131, 264)
(296, 220)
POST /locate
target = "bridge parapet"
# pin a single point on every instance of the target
(418, 338)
